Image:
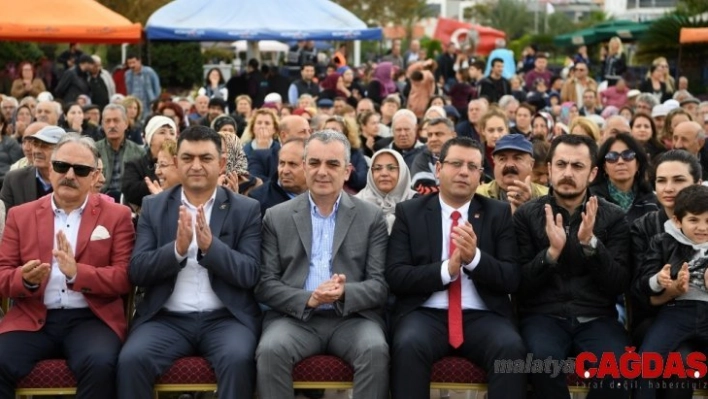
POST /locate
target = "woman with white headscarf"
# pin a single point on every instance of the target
(387, 183)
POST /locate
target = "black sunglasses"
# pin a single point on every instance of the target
(614, 156)
(79, 170)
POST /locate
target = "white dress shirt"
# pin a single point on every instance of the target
(470, 296)
(193, 292)
(57, 295)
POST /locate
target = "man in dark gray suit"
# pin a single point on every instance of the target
(323, 278)
(197, 255)
(30, 183)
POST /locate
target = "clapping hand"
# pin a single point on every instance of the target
(329, 291)
(555, 232)
(65, 256)
(588, 224)
(34, 272)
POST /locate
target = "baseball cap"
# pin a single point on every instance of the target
(324, 103)
(659, 110)
(516, 142)
(633, 93)
(273, 98)
(49, 134)
(671, 104)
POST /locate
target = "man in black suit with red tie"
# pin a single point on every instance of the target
(452, 264)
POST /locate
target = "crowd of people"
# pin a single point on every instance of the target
(387, 215)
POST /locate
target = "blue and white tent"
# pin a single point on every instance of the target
(230, 20)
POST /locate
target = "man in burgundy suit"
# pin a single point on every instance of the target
(64, 262)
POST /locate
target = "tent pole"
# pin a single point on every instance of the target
(357, 52)
(678, 64)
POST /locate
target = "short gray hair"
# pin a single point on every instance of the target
(11, 100)
(647, 98)
(442, 121)
(507, 100)
(84, 141)
(404, 113)
(115, 107)
(327, 136)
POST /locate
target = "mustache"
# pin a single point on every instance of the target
(568, 181)
(68, 183)
(508, 170)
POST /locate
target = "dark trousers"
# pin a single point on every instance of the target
(90, 347)
(558, 338)
(420, 339)
(676, 324)
(153, 346)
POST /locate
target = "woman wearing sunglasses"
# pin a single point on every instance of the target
(622, 176)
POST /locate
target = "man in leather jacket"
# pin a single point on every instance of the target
(574, 262)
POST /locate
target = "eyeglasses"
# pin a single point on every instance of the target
(163, 165)
(79, 170)
(614, 156)
(379, 168)
(458, 165)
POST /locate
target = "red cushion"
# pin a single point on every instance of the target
(323, 368)
(53, 373)
(189, 370)
(457, 370)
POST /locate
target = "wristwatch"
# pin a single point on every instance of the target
(592, 244)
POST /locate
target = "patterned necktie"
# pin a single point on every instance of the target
(454, 292)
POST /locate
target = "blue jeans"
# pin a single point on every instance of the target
(559, 338)
(676, 323)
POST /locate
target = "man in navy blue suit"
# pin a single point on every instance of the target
(197, 256)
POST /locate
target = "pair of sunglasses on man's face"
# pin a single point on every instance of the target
(79, 170)
(614, 156)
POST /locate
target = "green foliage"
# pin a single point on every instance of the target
(510, 16)
(179, 64)
(215, 54)
(433, 47)
(16, 52)
(662, 40)
(692, 7)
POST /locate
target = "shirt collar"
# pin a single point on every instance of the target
(186, 202)
(447, 209)
(81, 208)
(313, 206)
(45, 183)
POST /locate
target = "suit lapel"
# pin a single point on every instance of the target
(170, 217)
(45, 230)
(303, 223)
(219, 211)
(475, 215)
(433, 224)
(89, 219)
(345, 214)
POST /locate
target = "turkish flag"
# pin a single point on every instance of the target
(453, 30)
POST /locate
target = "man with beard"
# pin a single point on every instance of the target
(573, 251)
(513, 163)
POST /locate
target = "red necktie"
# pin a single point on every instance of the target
(454, 292)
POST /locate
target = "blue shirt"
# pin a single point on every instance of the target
(322, 243)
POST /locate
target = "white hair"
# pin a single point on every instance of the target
(11, 100)
(404, 113)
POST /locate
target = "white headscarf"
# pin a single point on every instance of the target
(400, 193)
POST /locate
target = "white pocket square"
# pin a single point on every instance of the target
(99, 233)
